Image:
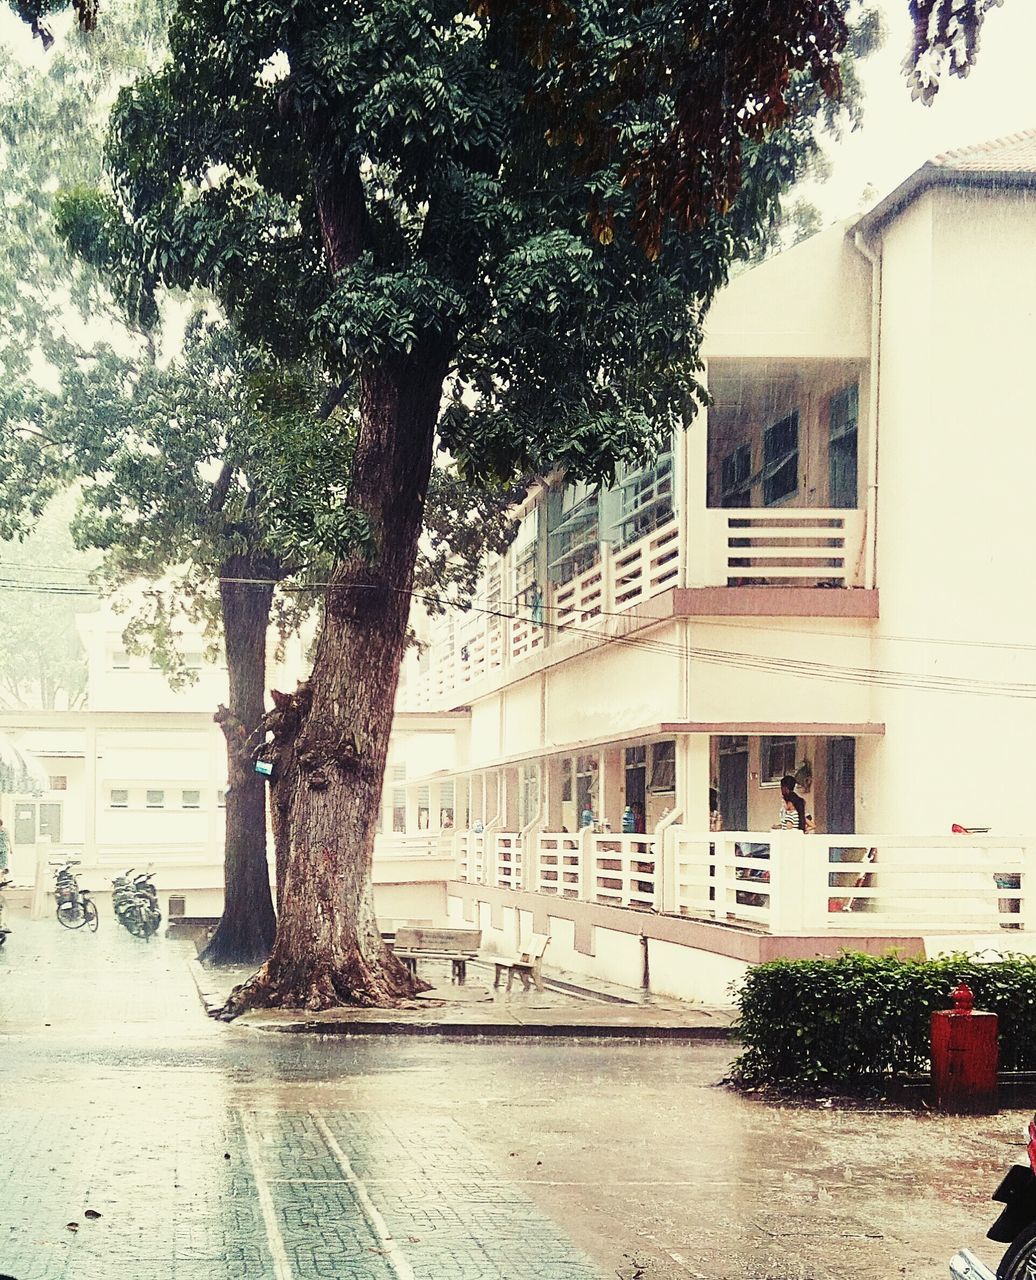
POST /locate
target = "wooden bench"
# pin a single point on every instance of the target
(456, 945)
(528, 963)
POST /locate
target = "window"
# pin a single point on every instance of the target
(221, 799)
(646, 497)
(566, 778)
(776, 758)
(586, 784)
(118, 798)
(58, 782)
(190, 799)
(155, 800)
(573, 541)
(120, 661)
(524, 553)
(193, 661)
(842, 446)
(399, 797)
(636, 769)
(50, 822)
(736, 478)
(663, 766)
(528, 794)
(781, 459)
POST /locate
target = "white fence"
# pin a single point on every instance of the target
(777, 882)
(785, 546)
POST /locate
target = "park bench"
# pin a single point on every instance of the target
(458, 945)
(527, 963)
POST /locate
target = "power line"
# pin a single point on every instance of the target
(1019, 646)
(833, 672)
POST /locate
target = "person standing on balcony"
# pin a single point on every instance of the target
(791, 816)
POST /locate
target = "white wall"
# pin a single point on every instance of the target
(955, 526)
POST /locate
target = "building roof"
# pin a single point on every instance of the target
(1015, 153)
(1004, 162)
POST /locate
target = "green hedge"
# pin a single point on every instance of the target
(853, 1022)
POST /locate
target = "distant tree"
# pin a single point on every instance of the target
(44, 587)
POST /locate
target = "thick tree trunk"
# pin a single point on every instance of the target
(246, 930)
(328, 949)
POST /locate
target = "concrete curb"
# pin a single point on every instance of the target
(494, 1030)
(378, 1022)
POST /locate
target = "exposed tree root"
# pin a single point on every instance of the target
(317, 986)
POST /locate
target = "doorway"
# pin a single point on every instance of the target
(841, 786)
(733, 783)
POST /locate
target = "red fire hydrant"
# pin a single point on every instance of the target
(964, 1057)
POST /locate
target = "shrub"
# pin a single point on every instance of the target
(853, 1022)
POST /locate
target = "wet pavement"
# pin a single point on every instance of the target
(221, 1151)
(478, 1008)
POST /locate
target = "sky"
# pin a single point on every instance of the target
(899, 135)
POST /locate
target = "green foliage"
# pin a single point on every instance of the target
(852, 1023)
(42, 663)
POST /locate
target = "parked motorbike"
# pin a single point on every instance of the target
(135, 903)
(5, 880)
(1016, 1226)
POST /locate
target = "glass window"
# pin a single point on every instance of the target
(118, 798)
(221, 799)
(646, 499)
(776, 758)
(398, 797)
(842, 447)
(736, 477)
(58, 782)
(663, 766)
(190, 799)
(781, 459)
(155, 800)
(529, 794)
(573, 539)
(120, 661)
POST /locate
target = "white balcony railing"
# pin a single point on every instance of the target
(777, 882)
(785, 546)
(646, 567)
(581, 600)
(785, 882)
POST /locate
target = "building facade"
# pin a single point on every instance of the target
(826, 576)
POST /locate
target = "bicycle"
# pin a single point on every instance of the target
(75, 907)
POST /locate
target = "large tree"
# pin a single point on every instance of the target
(372, 185)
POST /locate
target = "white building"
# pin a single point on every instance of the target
(829, 575)
(139, 778)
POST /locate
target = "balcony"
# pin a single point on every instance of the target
(779, 883)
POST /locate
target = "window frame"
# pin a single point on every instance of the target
(768, 744)
(149, 803)
(780, 459)
(733, 485)
(663, 767)
(118, 791)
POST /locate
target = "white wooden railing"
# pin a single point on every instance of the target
(646, 567)
(784, 546)
(623, 871)
(776, 882)
(786, 882)
(579, 601)
(507, 860)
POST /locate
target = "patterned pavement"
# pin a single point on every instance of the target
(116, 1099)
